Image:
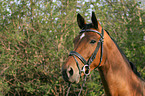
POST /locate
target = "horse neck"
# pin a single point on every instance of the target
(116, 73)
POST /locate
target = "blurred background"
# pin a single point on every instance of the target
(37, 35)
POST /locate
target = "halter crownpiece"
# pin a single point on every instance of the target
(91, 30)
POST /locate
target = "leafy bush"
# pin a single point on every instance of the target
(36, 37)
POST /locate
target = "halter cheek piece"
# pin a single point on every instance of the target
(86, 67)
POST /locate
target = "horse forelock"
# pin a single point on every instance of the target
(88, 26)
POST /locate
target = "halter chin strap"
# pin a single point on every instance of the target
(86, 67)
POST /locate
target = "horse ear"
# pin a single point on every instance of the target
(81, 21)
(94, 20)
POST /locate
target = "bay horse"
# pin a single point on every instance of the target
(94, 48)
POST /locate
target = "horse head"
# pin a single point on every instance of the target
(88, 50)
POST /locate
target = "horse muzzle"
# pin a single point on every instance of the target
(70, 74)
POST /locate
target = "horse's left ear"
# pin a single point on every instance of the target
(94, 20)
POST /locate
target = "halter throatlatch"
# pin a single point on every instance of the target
(86, 67)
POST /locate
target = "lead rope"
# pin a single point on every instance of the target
(82, 85)
(68, 90)
(69, 86)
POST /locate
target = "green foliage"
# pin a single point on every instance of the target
(36, 37)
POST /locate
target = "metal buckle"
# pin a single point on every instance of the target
(86, 69)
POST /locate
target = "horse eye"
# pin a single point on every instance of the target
(93, 41)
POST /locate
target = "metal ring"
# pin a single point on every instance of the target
(86, 69)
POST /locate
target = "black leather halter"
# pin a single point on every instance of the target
(86, 67)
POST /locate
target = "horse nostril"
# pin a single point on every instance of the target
(70, 71)
(67, 73)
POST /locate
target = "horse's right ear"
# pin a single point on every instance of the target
(94, 20)
(81, 21)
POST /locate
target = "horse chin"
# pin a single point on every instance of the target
(75, 79)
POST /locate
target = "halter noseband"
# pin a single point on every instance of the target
(86, 67)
